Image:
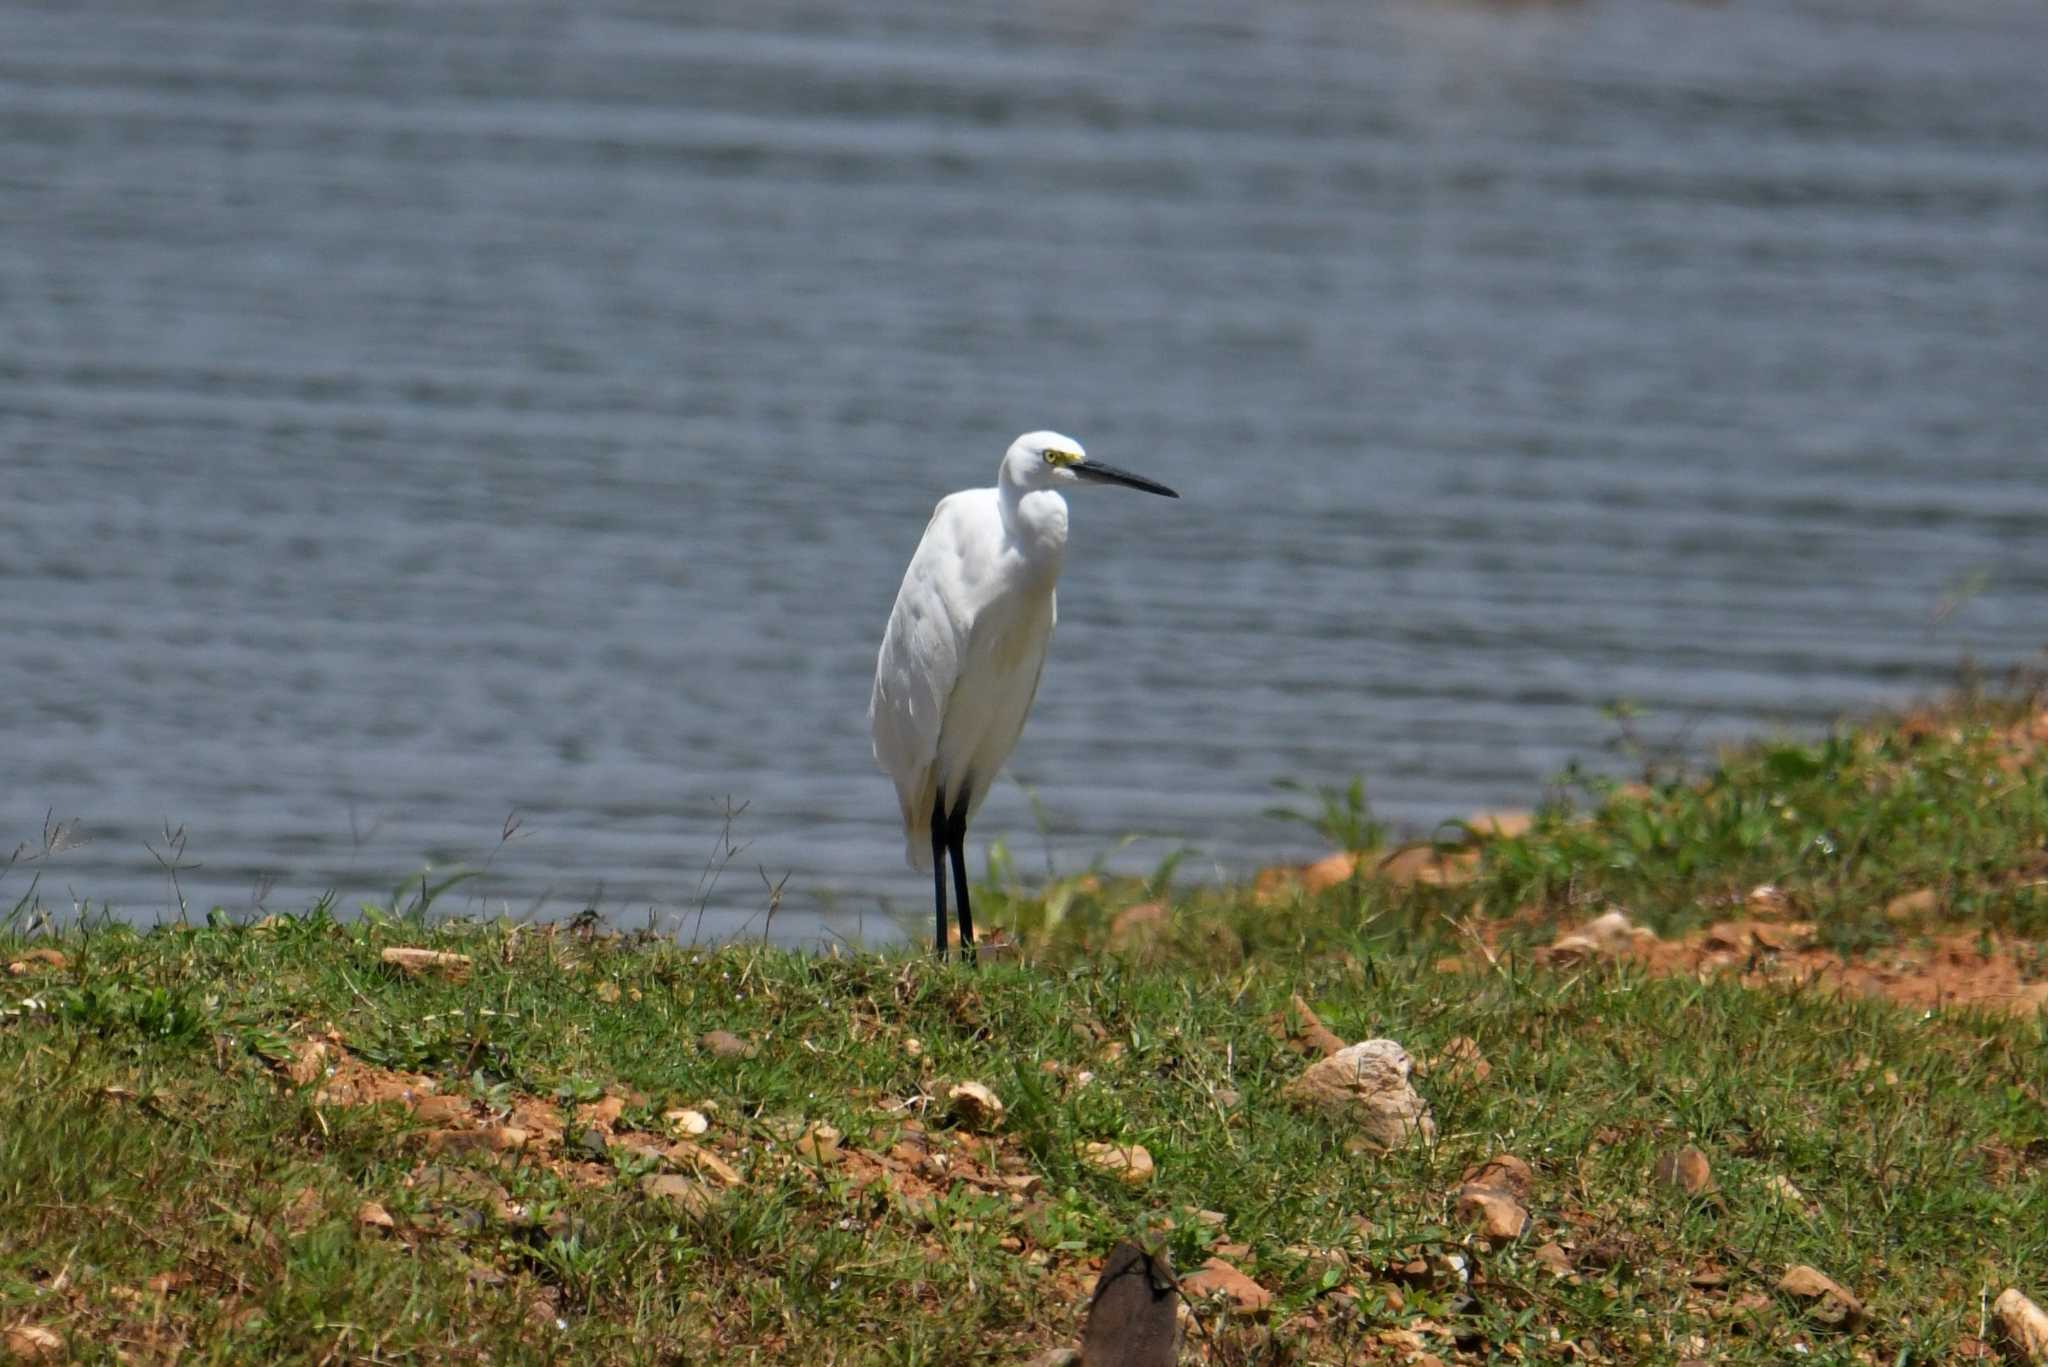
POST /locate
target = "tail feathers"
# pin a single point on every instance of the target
(917, 836)
(914, 801)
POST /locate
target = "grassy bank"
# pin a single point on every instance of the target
(262, 1142)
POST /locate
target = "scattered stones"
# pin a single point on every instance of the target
(1766, 899)
(1781, 1187)
(372, 1215)
(1509, 823)
(309, 1062)
(1298, 1026)
(2022, 1328)
(1068, 1357)
(703, 1160)
(687, 1122)
(1128, 1163)
(1329, 871)
(1825, 1301)
(39, 957)
(1502, 1172)
(603, 1112)
(1429, 866)
(1604, 937)
(32, 1343)
(1458, 1060)
(1137, 927)
(1913, 906)
(1216, 1277)
(487, 1139)
(1687, 1169)
(975, 1106)
(686, 1194)
(1554, 1260)
(725, 1044)
(820, 1143)
(1500, 1217)
(1132, 1313)
(436, 1109)
(1368, 1084)
(420, 963)
(1491, 1198)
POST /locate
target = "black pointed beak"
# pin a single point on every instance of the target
(1108, 474)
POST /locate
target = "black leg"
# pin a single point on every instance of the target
(939, 866)
(956, 841)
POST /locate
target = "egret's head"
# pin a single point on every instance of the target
(1048, 460)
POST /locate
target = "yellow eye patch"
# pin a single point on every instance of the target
(1054, 456)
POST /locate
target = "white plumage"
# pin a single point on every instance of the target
(965, 647)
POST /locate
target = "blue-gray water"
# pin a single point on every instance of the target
(411, 413)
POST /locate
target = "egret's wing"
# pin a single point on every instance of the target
(917, 667)
(985, 716)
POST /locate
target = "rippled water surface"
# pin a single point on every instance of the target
(413, 413)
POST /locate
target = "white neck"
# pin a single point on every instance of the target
(1037, 522)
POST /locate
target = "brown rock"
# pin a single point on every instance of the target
(1730, 936)
(435, 1109)
(1459, 1058)
(487, 1139)
(1367, 1083)
(419, 963)
(1503, 1172)
(1554, 1259)
(1780, 1186)
(1329, 871)
(39, 957)
(700, 1159)
(975, 1106)
(1128, 1163)
(1604, 937)
(1687, 1169)
(1913, 906)
(603, 1112)
(1300, 1026)
(372, 1215)
(725, 1044)
(687, 1122)
(1507, 824)
(1429, 866)
(686, 1194)
(32, 1343)
(1780, 938)
(820, 1143)
(309, 1062)
(2022, 1328)
(541, 1119)
(1216, 1277)
(1825, 1301)
(1136, 927)
(1500, 1217)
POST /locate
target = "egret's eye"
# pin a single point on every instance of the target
(1055, 456)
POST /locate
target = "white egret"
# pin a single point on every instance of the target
(960, 661)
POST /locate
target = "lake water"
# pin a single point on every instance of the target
(417, 413)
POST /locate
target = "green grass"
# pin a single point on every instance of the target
(166, 1190)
